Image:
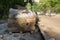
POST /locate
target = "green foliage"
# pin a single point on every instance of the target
(4, 17)
(43, 5)
(6, 4)
(28, 6)
(36, 7)
(53, 5)
(39, 6)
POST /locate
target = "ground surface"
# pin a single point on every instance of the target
(36, 35)
(51, 25)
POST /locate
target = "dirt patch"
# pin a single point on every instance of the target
(51, 25)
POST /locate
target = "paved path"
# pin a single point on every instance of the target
(51, 25)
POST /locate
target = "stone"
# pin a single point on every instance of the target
(24, 20)
(3, 27)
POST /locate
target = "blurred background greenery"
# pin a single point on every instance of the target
(43, 5)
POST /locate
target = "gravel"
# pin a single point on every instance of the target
(3, 27)
(18, 36)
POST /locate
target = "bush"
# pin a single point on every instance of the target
(6, 4)
(28, 6)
